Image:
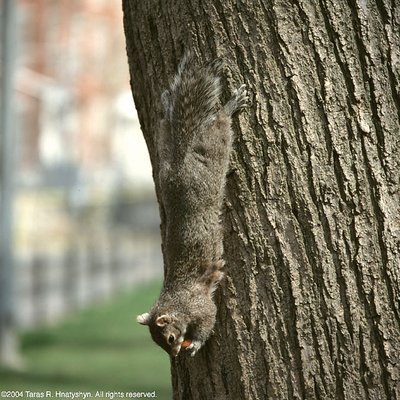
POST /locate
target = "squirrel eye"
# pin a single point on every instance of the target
(171, 339)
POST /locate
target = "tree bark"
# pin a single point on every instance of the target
(310, 305)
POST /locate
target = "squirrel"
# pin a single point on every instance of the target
(193, 145)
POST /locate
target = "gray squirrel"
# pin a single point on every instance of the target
(193, 145)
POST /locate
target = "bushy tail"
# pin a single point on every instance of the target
(190, 103)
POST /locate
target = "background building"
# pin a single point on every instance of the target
(85, 216)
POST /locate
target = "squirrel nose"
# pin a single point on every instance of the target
(175, 351)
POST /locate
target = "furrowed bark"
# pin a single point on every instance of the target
(310, 305)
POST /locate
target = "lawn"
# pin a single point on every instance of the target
(99, 349)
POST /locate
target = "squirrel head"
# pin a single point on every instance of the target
(165, 331)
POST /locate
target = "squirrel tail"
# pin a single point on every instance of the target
(190, 102)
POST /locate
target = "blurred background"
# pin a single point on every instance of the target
(79, 227)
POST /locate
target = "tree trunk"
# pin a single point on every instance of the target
(310, 305)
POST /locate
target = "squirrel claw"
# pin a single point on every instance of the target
(241, 96)
(238, 101)
(194, 347)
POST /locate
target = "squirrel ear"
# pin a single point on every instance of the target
(163, 320)
(143, 319)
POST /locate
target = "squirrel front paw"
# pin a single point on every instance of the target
(194, 347)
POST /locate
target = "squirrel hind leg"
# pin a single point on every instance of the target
(216, 65)
(238, 101)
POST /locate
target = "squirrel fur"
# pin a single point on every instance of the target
(194, 144)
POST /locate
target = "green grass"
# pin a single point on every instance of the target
(102, 348)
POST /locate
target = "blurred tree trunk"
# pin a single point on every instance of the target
(310, 306)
